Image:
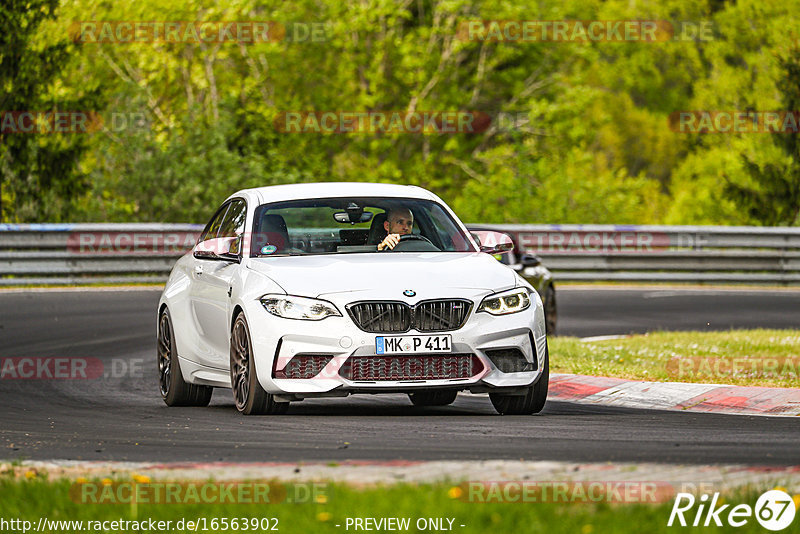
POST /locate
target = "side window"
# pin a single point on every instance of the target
(211, 229)
(443, 226)
(233, 223)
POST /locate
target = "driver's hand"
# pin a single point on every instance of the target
(391, 241)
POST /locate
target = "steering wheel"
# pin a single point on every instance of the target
(414, 243)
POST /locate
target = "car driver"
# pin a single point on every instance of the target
(399, 221)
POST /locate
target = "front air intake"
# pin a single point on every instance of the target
(441, 315)
(380, 317)
(511, 360)
(420, 367)
(304, 366)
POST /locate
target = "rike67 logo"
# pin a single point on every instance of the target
(774, 510)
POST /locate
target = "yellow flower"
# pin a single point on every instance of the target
(321, 499)
(455, 492)
(141, 479)
(30, 474)
(106, 482)
(81, 480)
(796, 500)
(323, 516)
(587, 529)
(780, 488)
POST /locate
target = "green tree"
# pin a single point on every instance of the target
(774, 197)
(39, 174)
(590, 140)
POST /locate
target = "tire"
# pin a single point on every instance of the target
(433, 398)
(250, 397)
(174, 389)
(550, 311)
(534, 399)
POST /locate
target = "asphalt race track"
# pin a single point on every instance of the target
(123, 418)
(598, 312)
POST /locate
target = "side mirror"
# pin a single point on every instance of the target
(500, 248)
(530, 260)
(492, 242)
(219, 248)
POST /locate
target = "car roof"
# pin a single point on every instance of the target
(278, 193)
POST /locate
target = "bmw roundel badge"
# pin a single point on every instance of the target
(409, 292)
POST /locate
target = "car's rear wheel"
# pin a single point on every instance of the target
(531, 402)
(174, 389)
(250, 397)
(432, 398)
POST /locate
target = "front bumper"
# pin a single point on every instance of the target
(276, 341)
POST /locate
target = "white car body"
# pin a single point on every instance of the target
(204, 297)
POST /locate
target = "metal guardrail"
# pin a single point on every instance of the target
(133, 253)
(700, 254)
(91, 253)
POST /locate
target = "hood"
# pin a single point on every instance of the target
(429, 274)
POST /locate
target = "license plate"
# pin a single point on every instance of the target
(412, 344)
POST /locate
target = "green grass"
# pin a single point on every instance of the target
(641, 284)
(737, 357)
(32, 499)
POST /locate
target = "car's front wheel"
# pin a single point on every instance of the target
(432, 398)
(532, 401)
(250, 397)
(174, 389)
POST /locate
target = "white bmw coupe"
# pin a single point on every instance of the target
(325, 290)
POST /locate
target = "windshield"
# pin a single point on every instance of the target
(352, 225)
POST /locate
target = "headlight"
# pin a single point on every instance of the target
(510, 302)
(291, 307)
